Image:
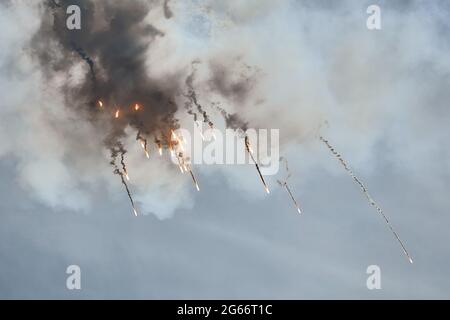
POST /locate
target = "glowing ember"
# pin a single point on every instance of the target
(117, 114)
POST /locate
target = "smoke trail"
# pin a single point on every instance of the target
(117, 171)
(122, 152)
(250, 152)
(86, 58)
(233, 120)
(114, 155)
(286, 166)
(283, 183)
(193, 178)
(193, 100)
(143, 142)
(158, 145)
(366, 193)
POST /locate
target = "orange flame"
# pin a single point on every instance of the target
(100, 103)
(137, 107)
(178, 140)
(117, 113)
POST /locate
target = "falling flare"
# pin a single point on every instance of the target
(181, 162)
(193, 178)
(144, 144)
(159, 145)
(124, 166)
(366, 193)
(137, 107)
(114, 154)
(179, 165)
(128, 192)
(286, 186)
(100, 103)
(250, 152)
(117, 114)
(178, 140)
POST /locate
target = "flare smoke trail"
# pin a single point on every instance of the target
(366, 193)
(283, 183)
(233, 120)
(143, 142)
(250, 152)
(193, 100)
(193, 177)
(122, 162)
(114, 154)
(86, 58)
(158, 145)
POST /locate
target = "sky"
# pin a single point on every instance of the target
(383, 93)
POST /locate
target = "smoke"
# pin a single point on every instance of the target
(264, 64)
(167, 12)
(116, 46)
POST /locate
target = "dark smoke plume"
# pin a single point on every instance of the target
(114, 41)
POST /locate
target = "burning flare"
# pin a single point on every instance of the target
(178, 140)
(144, 144)
(250, 152)
(117, 114)
(194, 180)
(159, 145)
(286, 186)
